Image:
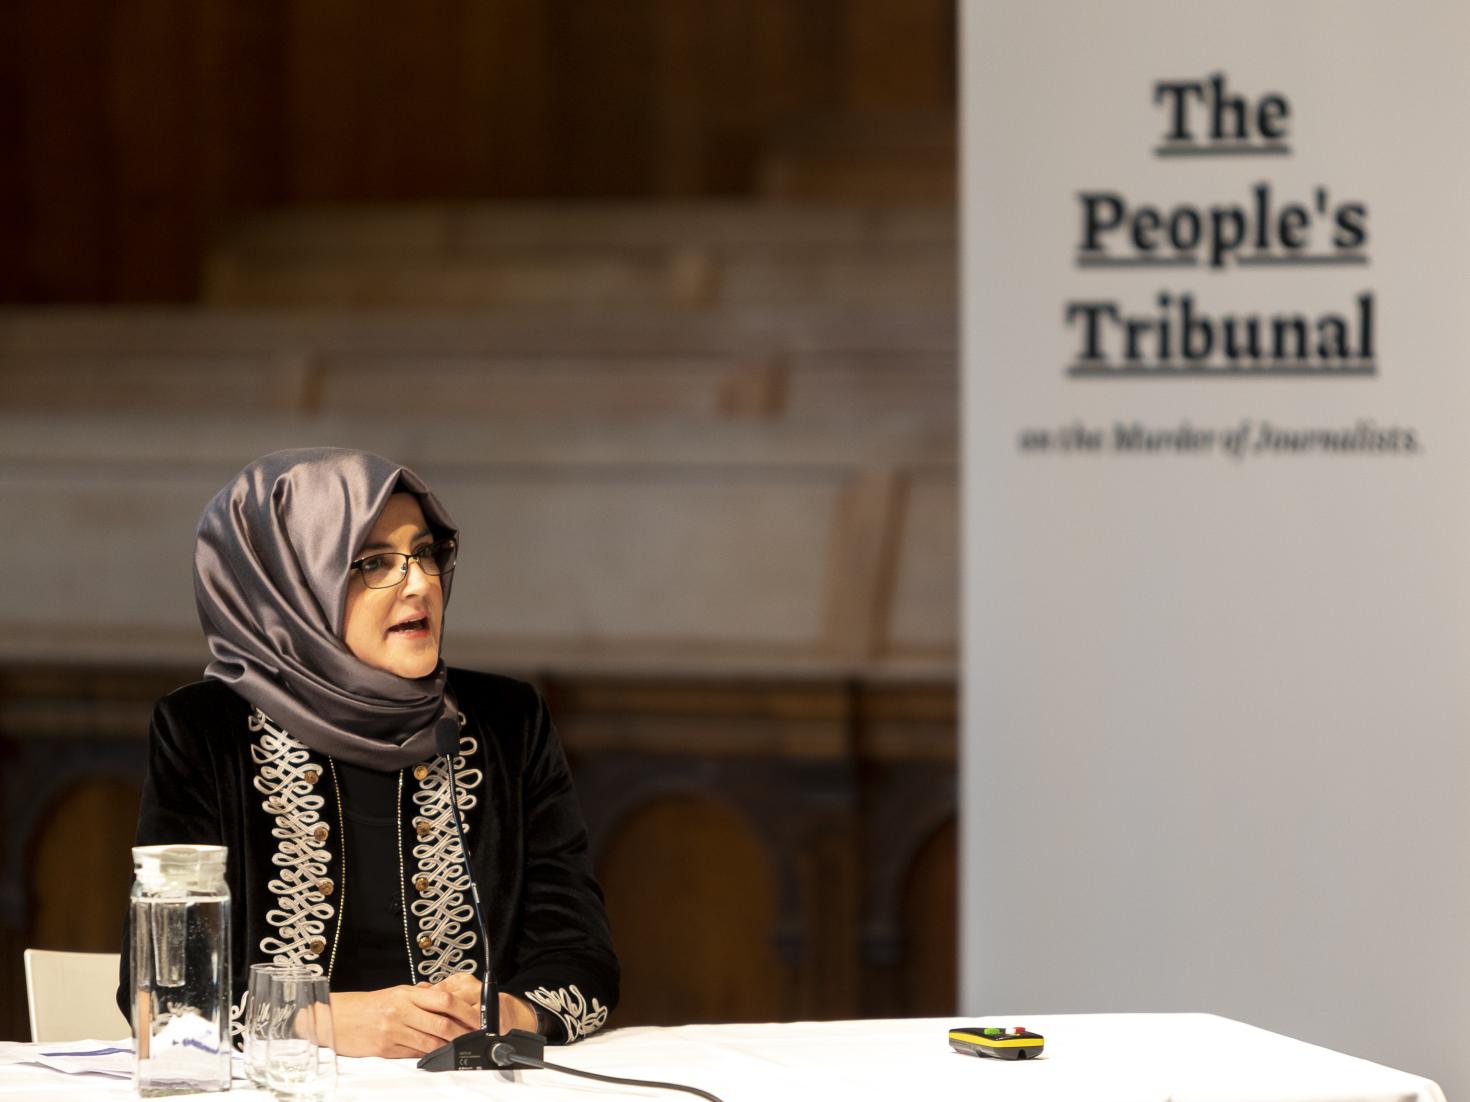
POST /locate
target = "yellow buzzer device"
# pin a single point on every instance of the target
(1018, 1044)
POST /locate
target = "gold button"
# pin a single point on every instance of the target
(316, 946)
(420, 771)
(326, 887)
(320, 833)
(421, 883)
(422, 826)
(426, 943)
(312, 776)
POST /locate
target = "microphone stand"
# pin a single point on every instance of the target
(485, 1049)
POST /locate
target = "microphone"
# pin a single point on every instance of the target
(473, 1051)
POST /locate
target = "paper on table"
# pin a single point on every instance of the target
(110, 1058)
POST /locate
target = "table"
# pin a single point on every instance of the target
(1093, 1057)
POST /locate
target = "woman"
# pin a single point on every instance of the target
(358, 783)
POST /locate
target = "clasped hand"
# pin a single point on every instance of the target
(410, 1021)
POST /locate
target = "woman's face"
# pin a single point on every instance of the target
(396, 629)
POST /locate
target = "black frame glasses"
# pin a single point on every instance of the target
(435, 559)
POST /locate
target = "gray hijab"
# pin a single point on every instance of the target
(270, 579)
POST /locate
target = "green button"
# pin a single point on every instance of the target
(992, 1032)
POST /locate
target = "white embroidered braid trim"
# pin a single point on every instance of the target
(282, 764)
(569, 1004)
(237, 1017)
(444, 912)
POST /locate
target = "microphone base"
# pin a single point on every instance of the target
(471, 1051)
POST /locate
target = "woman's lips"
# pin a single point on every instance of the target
(414, 628)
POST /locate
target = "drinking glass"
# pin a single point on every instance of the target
(300, 1052)
(257, 1015)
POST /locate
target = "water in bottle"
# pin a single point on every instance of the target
(180, 914)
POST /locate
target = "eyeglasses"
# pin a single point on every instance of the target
(386, 569)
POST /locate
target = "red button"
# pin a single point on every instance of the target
(1019, 1029)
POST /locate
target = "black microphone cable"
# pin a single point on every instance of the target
(504, 1055)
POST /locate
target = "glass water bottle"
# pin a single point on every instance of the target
(180, 969)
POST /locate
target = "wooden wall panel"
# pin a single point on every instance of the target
(692, 905)
(240, 89)
(885, 80)
(931, 913)
(82, 867)
(816, 47)
(15, 140)
(67, 169)
(156, 231)
(328, 114)
(71, 769)
(711, 139)
(505, 103)
(603, 67)
(137, 127)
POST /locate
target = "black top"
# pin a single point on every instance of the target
(373, 949)
(219, 773)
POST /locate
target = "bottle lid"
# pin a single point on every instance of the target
(186, 866)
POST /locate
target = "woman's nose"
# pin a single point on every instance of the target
(417, 579)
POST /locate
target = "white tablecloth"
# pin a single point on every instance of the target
(1093, 1057)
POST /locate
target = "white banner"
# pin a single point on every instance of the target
(1217, 540)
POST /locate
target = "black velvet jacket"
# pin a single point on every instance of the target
(220, 772)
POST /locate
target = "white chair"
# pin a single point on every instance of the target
(72, 996)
